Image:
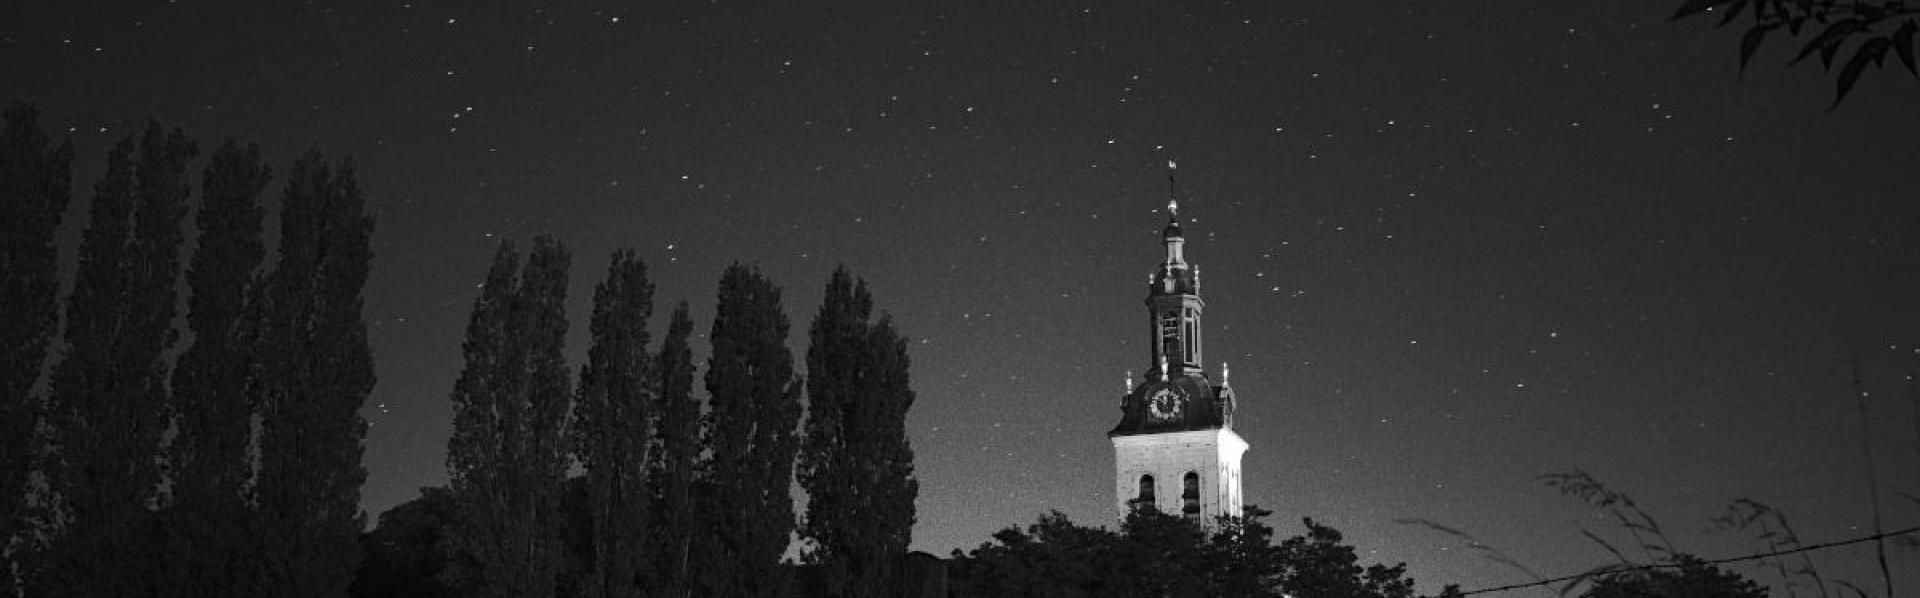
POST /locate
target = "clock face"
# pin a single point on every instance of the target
(1163, 405)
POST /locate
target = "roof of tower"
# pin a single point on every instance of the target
(1206, 407)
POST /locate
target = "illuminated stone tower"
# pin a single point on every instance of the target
(1175, 449)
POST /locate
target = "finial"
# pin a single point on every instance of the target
(1129, 387)
(1173, 204)
(1223, 373)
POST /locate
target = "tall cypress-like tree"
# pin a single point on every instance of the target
(611, 429)
(35, 182)
(855, 463)
(745, 499)
(508, 457)
(316, 374)
(487, 403)
(672, 461)
(206, 523)
(108, 404)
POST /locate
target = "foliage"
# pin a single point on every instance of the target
(1687, 577)
(1647, 534)
(577, 568)
(1319, 565)
(1771, 528)
(855, 463)
(107, 408)
(672, 461)
(35, 181)
(744, 498)
(1872, 28)
(206, 525)
(506, 459)
(612, 426)
(407, 551)
(1162, 555)
(1488, 551)
(313, 382)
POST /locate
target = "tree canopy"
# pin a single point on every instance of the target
(1687, 576)
(1162, 555)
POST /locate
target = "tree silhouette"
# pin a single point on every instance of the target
(1319, 566)
(407, 551)
(855, 462)
(746, 506)
(612, 426)
(108, 405)
(207, 522)
(1689, 577)
(35, 181)
(506, 460)
(1872, 29)
(672, 462)
(316, 374)
(1164, 555)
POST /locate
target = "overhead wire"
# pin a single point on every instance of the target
(1722, 561)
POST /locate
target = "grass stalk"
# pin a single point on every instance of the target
(1873, 479)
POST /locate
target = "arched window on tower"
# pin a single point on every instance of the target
(1144, 500)
(1170, 342)
(1190, 498)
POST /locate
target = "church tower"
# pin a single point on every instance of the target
(1175, 449)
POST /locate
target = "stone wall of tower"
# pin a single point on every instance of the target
(1213, 454)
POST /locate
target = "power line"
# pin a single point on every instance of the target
(1711, 562)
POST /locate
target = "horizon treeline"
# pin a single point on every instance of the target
(145, 460)
(676, 496)
(224, 457)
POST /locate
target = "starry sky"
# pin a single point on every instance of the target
(1445, 249)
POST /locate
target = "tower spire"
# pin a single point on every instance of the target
(1173, 299)
(1172, 235)
(1173, 202)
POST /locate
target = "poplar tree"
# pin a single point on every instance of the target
(507, 458)
(611, 428)
(208, 455)
(35, 182)
(746, 504)
(672, 460)
(108, 403)
(856, 464)
(315, 375)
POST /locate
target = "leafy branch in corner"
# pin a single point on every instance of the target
(1871, 29)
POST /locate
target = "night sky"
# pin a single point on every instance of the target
(1444, 249)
